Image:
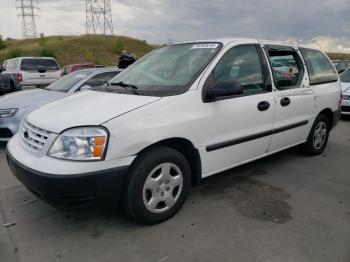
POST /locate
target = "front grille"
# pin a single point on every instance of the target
(5, 133)
(33, 137)
(345, 108)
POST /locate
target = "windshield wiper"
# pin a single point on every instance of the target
(122, 84)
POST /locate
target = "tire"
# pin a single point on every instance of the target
(318, 136)
(164, 193)
(13, 87)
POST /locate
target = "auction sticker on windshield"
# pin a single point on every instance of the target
(206, 45)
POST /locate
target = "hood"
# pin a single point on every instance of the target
(87, 108)
(29, 98)
(345, 88)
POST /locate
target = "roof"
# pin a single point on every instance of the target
(104, 69)
(82, 64)
(226, 41)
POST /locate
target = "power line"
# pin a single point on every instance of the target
(27, 13)
(99, 17)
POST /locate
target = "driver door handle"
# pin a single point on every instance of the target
(285, 101)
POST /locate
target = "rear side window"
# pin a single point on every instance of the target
(319, 67)
(287, 68)
(34, 64)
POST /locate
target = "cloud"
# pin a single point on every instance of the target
(323, 23)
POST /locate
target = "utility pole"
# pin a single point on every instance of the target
(27, 13)
(98, 17)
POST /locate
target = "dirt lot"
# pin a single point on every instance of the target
(286, 207)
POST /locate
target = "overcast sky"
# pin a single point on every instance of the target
(322, 23)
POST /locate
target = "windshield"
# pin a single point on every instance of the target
(67, 82)
(168, 70)
(345, 77)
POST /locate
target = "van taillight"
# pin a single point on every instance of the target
(340, 99)
(19, 78)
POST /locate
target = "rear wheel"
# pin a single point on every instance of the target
(158, 185)
(318, 137)
(13, 87)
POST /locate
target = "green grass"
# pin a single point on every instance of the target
(79, 49)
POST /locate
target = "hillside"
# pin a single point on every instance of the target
(77, 49)
(98, 49)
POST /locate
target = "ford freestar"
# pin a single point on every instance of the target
(181, 113)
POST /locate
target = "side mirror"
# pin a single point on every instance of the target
(85, 88)
(225, 88)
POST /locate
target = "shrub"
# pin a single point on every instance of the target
(2, 43)
(14, 53)
(42, 40)
(46, 51)
(119, 46)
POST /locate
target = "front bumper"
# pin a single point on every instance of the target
(97, 190)
(345, 107)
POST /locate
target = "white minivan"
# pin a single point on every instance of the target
(181, 113)
(31, 71)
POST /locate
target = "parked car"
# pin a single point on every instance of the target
(75, 67)
(14, 107)
(341, 65)
(31, 71)
(5, 83)
(176, 116)
(345, 85)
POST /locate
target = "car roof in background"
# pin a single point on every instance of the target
(100, 70)
(82, 64)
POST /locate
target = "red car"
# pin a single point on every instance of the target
(75, 67)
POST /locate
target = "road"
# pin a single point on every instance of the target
(287, 207)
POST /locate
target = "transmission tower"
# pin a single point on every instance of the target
(99, 17)
(27, 13)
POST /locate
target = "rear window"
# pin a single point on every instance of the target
(319, 67)
(34, 64)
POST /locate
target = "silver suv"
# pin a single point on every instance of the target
(31, 71)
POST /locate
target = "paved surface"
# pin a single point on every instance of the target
(286, 207)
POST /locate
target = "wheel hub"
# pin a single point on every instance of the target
(320, 134)
(162, 187)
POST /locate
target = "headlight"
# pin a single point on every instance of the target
(10, 112)
(81, 144)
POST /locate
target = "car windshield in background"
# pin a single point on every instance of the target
(67, 82)
(345, 77)
(168, 70)
(39, 63)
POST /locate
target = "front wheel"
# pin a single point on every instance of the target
(318, 137)
(158, 185)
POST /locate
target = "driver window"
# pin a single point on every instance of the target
(240, 64)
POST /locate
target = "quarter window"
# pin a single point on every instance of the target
(241, 64)
(319, 67)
